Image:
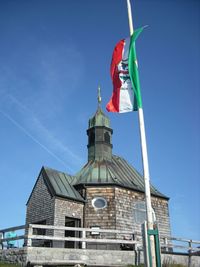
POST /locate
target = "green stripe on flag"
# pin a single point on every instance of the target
(133, 69)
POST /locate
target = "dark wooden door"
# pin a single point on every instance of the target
(72, 222)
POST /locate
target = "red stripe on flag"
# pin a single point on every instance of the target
(113, 104)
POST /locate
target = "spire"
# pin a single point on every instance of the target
(99, 118)
(99, 96)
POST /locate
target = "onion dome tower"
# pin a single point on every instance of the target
(99, 135)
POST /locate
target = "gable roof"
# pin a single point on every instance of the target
(116, 172)
(59, 184)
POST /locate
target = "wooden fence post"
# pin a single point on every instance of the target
(83, 236)
(189, 253)
(1, 243)
(30, 232)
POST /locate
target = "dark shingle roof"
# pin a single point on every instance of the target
(116, 172)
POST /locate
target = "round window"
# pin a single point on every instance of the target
(99, 203)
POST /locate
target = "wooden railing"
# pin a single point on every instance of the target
(30, 236)
(170, 243)
(90, 235)
(4, 239)
(84, 238)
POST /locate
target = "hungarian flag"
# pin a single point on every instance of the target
(126, 95)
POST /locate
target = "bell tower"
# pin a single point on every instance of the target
(99, 135)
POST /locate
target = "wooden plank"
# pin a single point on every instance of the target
(13, 228)
(185, 240)
(180, 247)
(113, 241)
(52, 227)
(180, 239)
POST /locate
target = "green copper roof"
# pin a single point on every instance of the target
(116, 172)
(60, 184)
(99, 119)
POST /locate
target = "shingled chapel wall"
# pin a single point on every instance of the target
(104, 218)
(40, 209)
(161, 209)
(125, 204)
(40, 206)
(119, 213)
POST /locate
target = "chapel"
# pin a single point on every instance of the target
(107, 193)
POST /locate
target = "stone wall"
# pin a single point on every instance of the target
(59, 256)
(15, 255)
(67, 208)
(90, 257)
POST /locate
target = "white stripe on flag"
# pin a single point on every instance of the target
(126, 92)
(125, 51)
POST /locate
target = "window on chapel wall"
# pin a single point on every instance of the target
(107, 137)
(91, 138)
(99, 203)
(139, 212)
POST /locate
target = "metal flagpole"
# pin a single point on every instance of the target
(144, 157)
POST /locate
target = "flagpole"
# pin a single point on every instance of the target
(144, 154)
(143, 143)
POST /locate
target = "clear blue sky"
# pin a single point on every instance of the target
(53, 55)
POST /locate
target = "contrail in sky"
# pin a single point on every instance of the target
(33, 138)
(42, 129)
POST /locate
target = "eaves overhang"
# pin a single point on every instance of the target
(86, 185)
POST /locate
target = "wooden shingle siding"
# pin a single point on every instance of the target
(119, 212)
(41, 204)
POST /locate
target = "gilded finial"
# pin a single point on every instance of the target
(99, 95)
